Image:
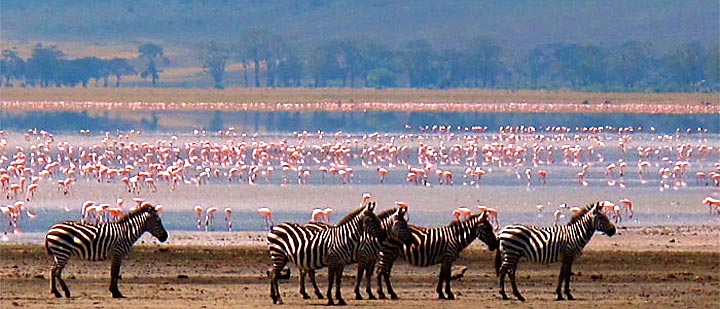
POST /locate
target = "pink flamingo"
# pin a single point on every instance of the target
(267, 215)
(210, 218)
(198, 216)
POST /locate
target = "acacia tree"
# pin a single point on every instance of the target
(117, 67)
(214, 59)
(11, 66)
(152, 54)
(43, 65)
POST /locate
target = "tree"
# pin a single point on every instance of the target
(257, 47)
(118, 67)
(685, 65)
(152, 54)
(214, 59)
(483, 61)
(421, 63)
(11, 66)
(712, 68)
(382, 78)
(43, 64)
(629, 63)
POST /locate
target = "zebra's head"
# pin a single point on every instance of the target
(370, 223)
(486, 231)
(601, 221)
(153, 224)
(399, 229)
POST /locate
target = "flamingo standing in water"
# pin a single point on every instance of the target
(267, 215)
(317, 215)
(210, 218)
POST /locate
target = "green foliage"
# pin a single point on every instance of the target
(381, 78)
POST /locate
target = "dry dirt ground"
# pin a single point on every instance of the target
(646, 267)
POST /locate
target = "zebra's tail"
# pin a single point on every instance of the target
(498, 261)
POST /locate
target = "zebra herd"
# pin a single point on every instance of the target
(373, 240)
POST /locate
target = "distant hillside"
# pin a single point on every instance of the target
(515, 25)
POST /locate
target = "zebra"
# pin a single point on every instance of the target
(393, 221)
(547, 245)
(438, 245)
(334, 248)
(97, 242)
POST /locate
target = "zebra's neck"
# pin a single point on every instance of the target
(582, 230)
(465, 232)
(132, 227)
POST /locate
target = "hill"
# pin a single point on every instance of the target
(83, 26)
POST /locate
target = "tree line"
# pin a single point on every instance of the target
(264, 59)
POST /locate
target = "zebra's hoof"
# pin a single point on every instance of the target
(381, 296)
(394, 296)
(450, 296)
(319, 296)
(371, 297)
(358, 297)
(341, 302)
(118, 295)
(305, 296)
(504, 296)
(569, 297)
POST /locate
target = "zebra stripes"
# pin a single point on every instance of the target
(334, 248)
(439, 245)
(97, 242)
(394, 224)
(547, 245)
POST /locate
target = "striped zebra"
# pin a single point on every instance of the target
(333, 248)
(394, 222)
(547, 245)
(97, 242)
(438, 245)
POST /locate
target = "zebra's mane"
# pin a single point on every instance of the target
(386, 213)
(351, 215)
(581, 213)
(145, 207)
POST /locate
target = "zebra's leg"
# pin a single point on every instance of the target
(568, 274)
(368, 274)
(114, 273)
(516, 292)
(331, 281)
(338, 285)
(55, 273)
(448, 292)
(389, 285)
(279, 262)
(360, 271)
(302, 274)
(441, 279)
(503, 272)
(311, 274)
(379, 275)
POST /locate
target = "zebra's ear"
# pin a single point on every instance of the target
(370, 207)
(596, 208)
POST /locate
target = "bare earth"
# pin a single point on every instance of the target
(640, 267)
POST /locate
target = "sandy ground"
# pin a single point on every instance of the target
(643, 267)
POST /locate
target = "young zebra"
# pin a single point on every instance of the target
(334, 248)
(432, 246)
(97, 242)
(547, 245)
(394, 222)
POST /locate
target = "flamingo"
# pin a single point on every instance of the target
(382, 172)
(628, 206)
(228, 219)
(317, 215)
(267, 215)
(198, 215)
(210, 218)
(326, 214)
